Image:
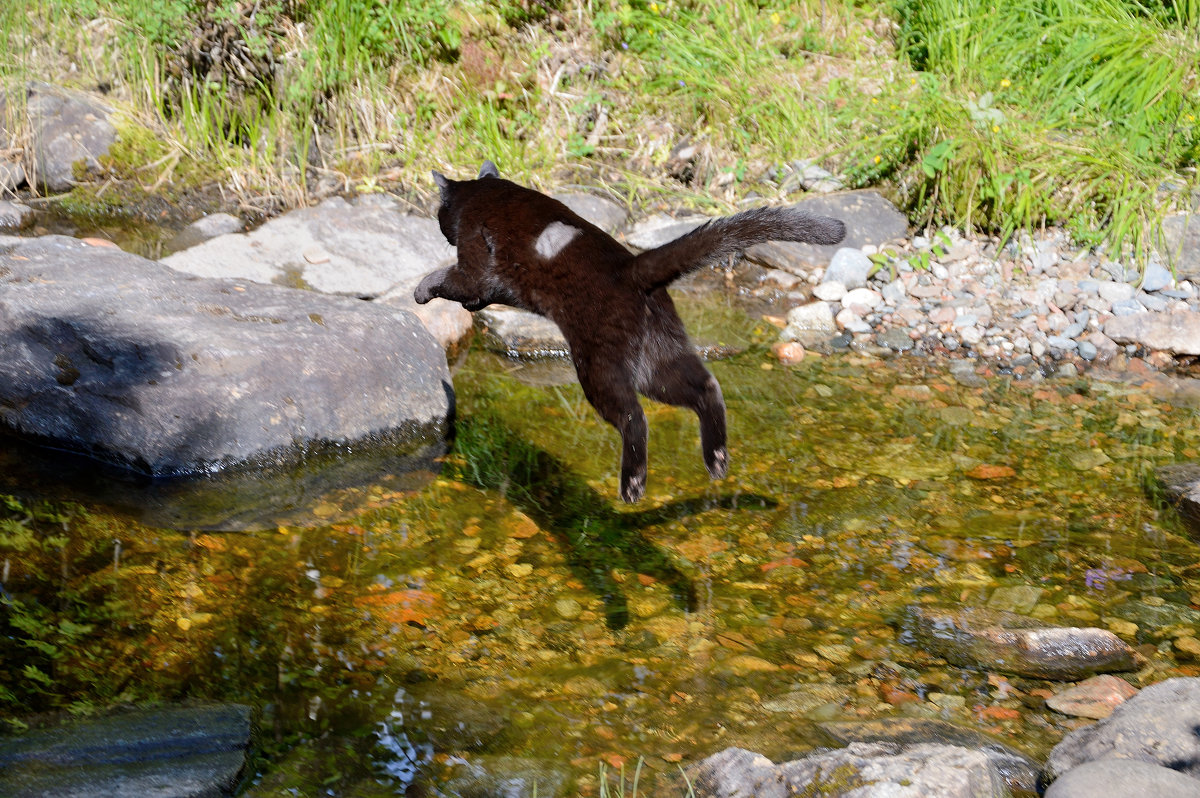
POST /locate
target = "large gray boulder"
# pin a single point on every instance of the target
(861, 770)
(70, 129)
(1123, 777)
(121, 358)
(167, 752)
(1158, 725)
(368, 248)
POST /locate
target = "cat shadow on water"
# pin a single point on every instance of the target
(519, 247)
(596, 539)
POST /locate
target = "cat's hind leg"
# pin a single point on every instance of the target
(683, 381)
(612, 394)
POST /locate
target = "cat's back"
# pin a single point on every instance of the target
(529, 224)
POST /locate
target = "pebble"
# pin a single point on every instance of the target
(1041, 313)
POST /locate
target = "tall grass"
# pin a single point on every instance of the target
(1074, 112)
(993, 114)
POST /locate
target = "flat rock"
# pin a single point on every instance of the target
(1180, 243)
(1011, 643)
(1158, 725)
(660, 229)
(1094, 698)
(1180, 483)
(1019, 771)
(870, 219)
(507, 777)
(520, 333)
(603, 212)
(861, 770)
(69, 127)
(1172, 332)
(108, 354)
(357, 249)
(368, 249)
(14, 215)
(166, 752)
(1123, 777)
(203, 229)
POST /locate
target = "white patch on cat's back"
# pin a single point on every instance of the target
(552, 240)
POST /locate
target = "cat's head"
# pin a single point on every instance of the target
(447, 211)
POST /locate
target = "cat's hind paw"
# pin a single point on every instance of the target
(717, 463)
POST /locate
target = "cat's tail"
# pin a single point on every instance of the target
(722, 237)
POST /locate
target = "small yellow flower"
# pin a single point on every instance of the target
(995, 128)
(1191, 117)
(874, 99)
(775, 18)
(654, 8)
(1005, 83)
(912, 81)
(878, 159)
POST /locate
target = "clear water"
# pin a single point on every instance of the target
(505, 611)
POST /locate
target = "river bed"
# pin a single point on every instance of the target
(506, 613)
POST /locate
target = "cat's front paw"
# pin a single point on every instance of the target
(717, 463)
(633, 487)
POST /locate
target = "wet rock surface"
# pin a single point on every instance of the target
(1011, 643)
(118, 357)
(1157, 726)
(1180, 483)
(172, 752)
(1123, 777)
(1019, 771)
(864, 770)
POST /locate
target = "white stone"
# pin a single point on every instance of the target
(831, 291)
(864, 297)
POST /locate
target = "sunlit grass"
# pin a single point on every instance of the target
(977, 115)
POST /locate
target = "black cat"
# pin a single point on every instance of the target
(521, 248)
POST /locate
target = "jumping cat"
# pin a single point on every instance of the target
(519, 247)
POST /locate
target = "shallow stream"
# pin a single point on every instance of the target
(502, 610)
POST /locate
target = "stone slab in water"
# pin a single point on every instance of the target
(865, 770)
(1019, 771)
(171, 752)
(1011, 643)
(121, 358)
(1158, 725)
(1180, 483)
(519, 333)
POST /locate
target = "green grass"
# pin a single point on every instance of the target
(999, 116)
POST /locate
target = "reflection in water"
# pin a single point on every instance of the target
(322, 487)
(510, 620)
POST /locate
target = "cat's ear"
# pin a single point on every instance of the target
(488, 170)
(442, 183)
